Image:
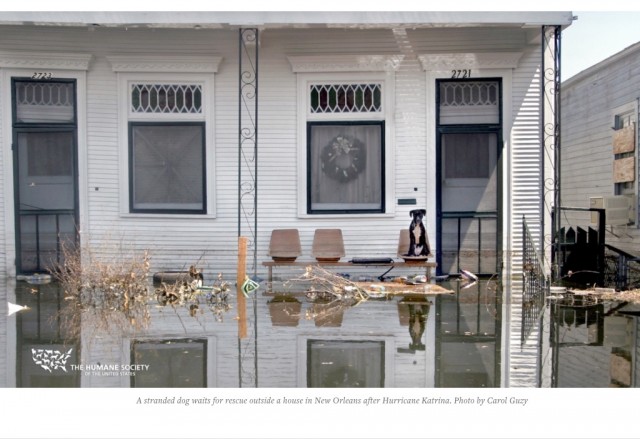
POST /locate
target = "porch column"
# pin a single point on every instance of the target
(550, 220)
(247, 194)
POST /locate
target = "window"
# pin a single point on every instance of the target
(624, 140)
(345, 148)
(167, 147)
(171, 363)
(345, 363)
(167, 167)
(166, 129)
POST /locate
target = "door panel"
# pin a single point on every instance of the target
(469, 180)
(469, 202)
(45, 177)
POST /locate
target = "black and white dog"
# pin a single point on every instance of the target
(418, 242)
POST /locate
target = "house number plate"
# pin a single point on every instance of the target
(461, 73)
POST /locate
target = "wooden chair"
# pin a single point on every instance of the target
(328, 245)
(285, 245)
(403, 245)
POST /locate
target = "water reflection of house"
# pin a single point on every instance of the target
(439, 341)
(125, 128)
(592, 344)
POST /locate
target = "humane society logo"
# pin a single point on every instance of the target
(54, 360)
(50, 359)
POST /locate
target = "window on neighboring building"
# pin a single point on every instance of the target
(625, 174)
(345, 148)
(167, 148)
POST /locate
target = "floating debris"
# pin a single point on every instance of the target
(35, 279)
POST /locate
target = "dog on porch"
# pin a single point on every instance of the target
(418, 242)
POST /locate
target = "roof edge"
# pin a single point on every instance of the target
(284, 19)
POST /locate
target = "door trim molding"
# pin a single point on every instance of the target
(7, 198)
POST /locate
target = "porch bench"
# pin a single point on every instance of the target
(426, 265)
(328, 249)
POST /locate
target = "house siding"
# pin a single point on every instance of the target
(588, 102)
(176, 242)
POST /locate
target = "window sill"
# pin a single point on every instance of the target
(163, 216)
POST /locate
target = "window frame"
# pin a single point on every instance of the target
(374, 123)
(628, 111)
(127, 116)
(305, 79)
(132, 208)
(204, 342)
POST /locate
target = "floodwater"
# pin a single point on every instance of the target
(454, 335)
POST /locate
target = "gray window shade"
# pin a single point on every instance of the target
(167, 166)
(345, 165)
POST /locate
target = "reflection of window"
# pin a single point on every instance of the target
(171, 363)
(339, 363)
(167, 167)
(44, 339)
(345, 167)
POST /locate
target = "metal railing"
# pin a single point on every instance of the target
(621, 270)
(43, 236)
(580, 250)
(466, 244)
(535, 284)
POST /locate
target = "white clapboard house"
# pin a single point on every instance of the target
(174, 133)
(125, 130)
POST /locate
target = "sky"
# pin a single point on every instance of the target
(595, 36)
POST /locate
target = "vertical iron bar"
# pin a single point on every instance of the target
(479, 245)
(38, 242)
(551, 51)
(602, 220)
(459, 244)
(248, 47)
(557, 163)
(535, 284)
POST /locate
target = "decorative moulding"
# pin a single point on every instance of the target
(165, 63)
(45, 60)
(344, 63)
(450, 61)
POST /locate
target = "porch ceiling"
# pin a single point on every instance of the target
(283, 19)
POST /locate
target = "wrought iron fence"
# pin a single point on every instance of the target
(621, 270)
(535, 284)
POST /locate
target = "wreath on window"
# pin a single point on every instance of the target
(343, 158)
